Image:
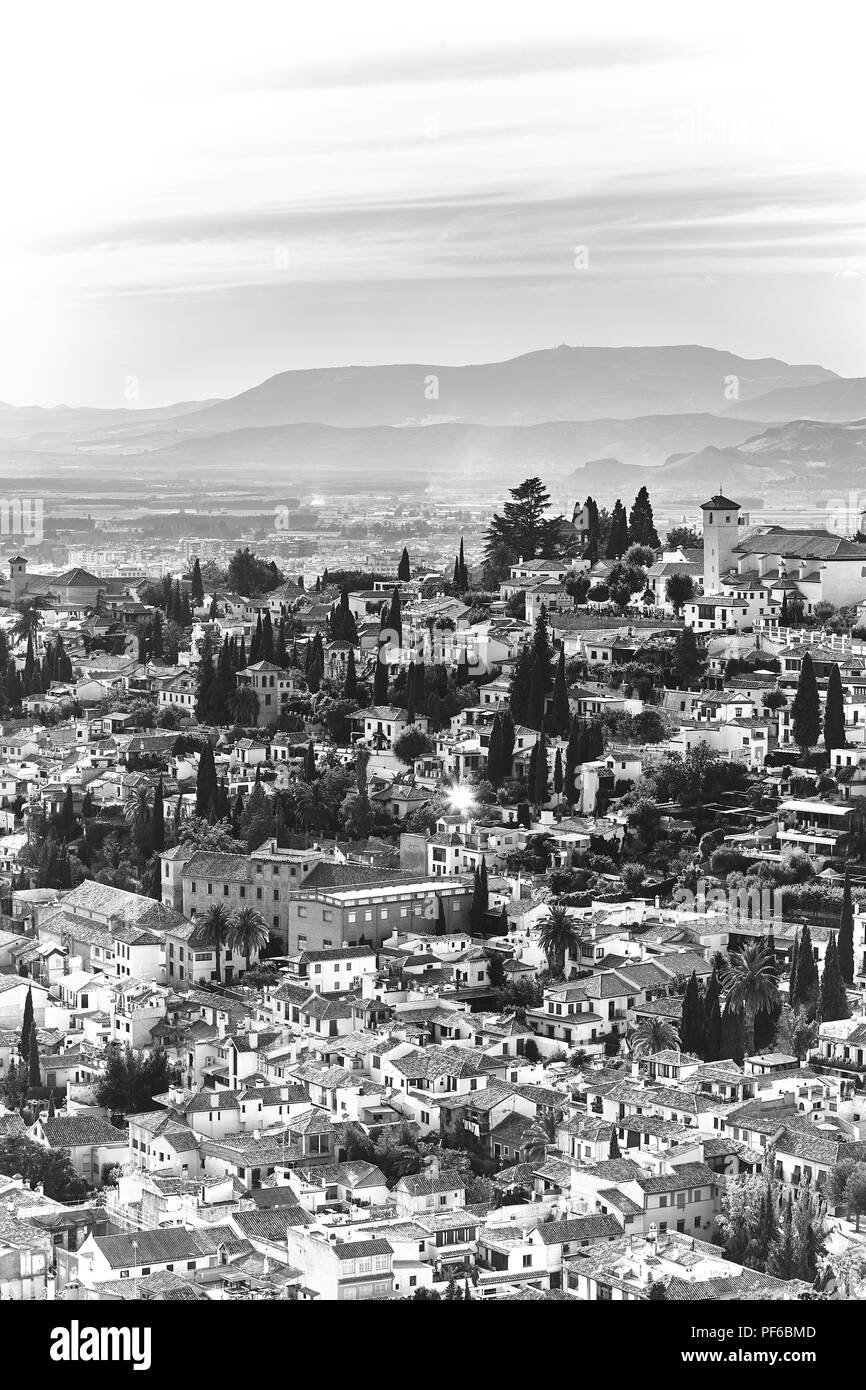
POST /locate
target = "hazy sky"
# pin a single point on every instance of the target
(200, 195)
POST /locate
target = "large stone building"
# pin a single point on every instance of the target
(308, 901)
(760, 564)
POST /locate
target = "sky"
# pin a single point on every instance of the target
(198, 196)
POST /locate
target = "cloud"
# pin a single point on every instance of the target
(492, 62)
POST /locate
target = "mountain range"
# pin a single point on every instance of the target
(680, 418)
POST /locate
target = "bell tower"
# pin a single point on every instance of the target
(17, 577)
(721, 519)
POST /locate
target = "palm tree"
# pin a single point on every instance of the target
(243, 706)
(213, 932)
(30, 619)
(136, 806)
(750, 987)
(314, 805)
(247, 932)
(654, 1035)
(560, 933)
(542, 1135)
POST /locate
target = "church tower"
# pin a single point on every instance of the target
(720, 537)
(17, 577)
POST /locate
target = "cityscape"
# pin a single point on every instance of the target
(433, 681)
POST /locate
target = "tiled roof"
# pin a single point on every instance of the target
(426, 1184)
(74, 1131)
(270, 1223)
(595, 1227)
(149, 1248)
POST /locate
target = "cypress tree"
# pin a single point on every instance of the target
(157, 820)
(713, 1020)
(806, 709)
(51, 1105)
(455, 578)
(539, 788)
(33, 1059)
(395, 620)
(792, 969)
(641, 528)
(204, 692)
(507, 742)
(561, 710)
(558, 778)
(478, 910)
(521, 681)
(495, 768)
(267, 637)
(206, 783)
(350, 685)
(617, 541)
(531, 766)
(316, 665)
(537, 691)
(692, 1025)
(541, 645)
(596, 739)
(805, 987)
(256, 643)
(156, 637)
(29, 665)
(462, 570)
(782, 1263)
(833, 1001)
(834, 712)
(222, 807)
(280, 654)
(846, 933)
(403, 570)
(733, 1041)
(380, 676)
(14, 691)
(197, 589)
(26, 1025)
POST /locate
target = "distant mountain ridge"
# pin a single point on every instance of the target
(553, 384)
(808, 457)
(842, 399)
